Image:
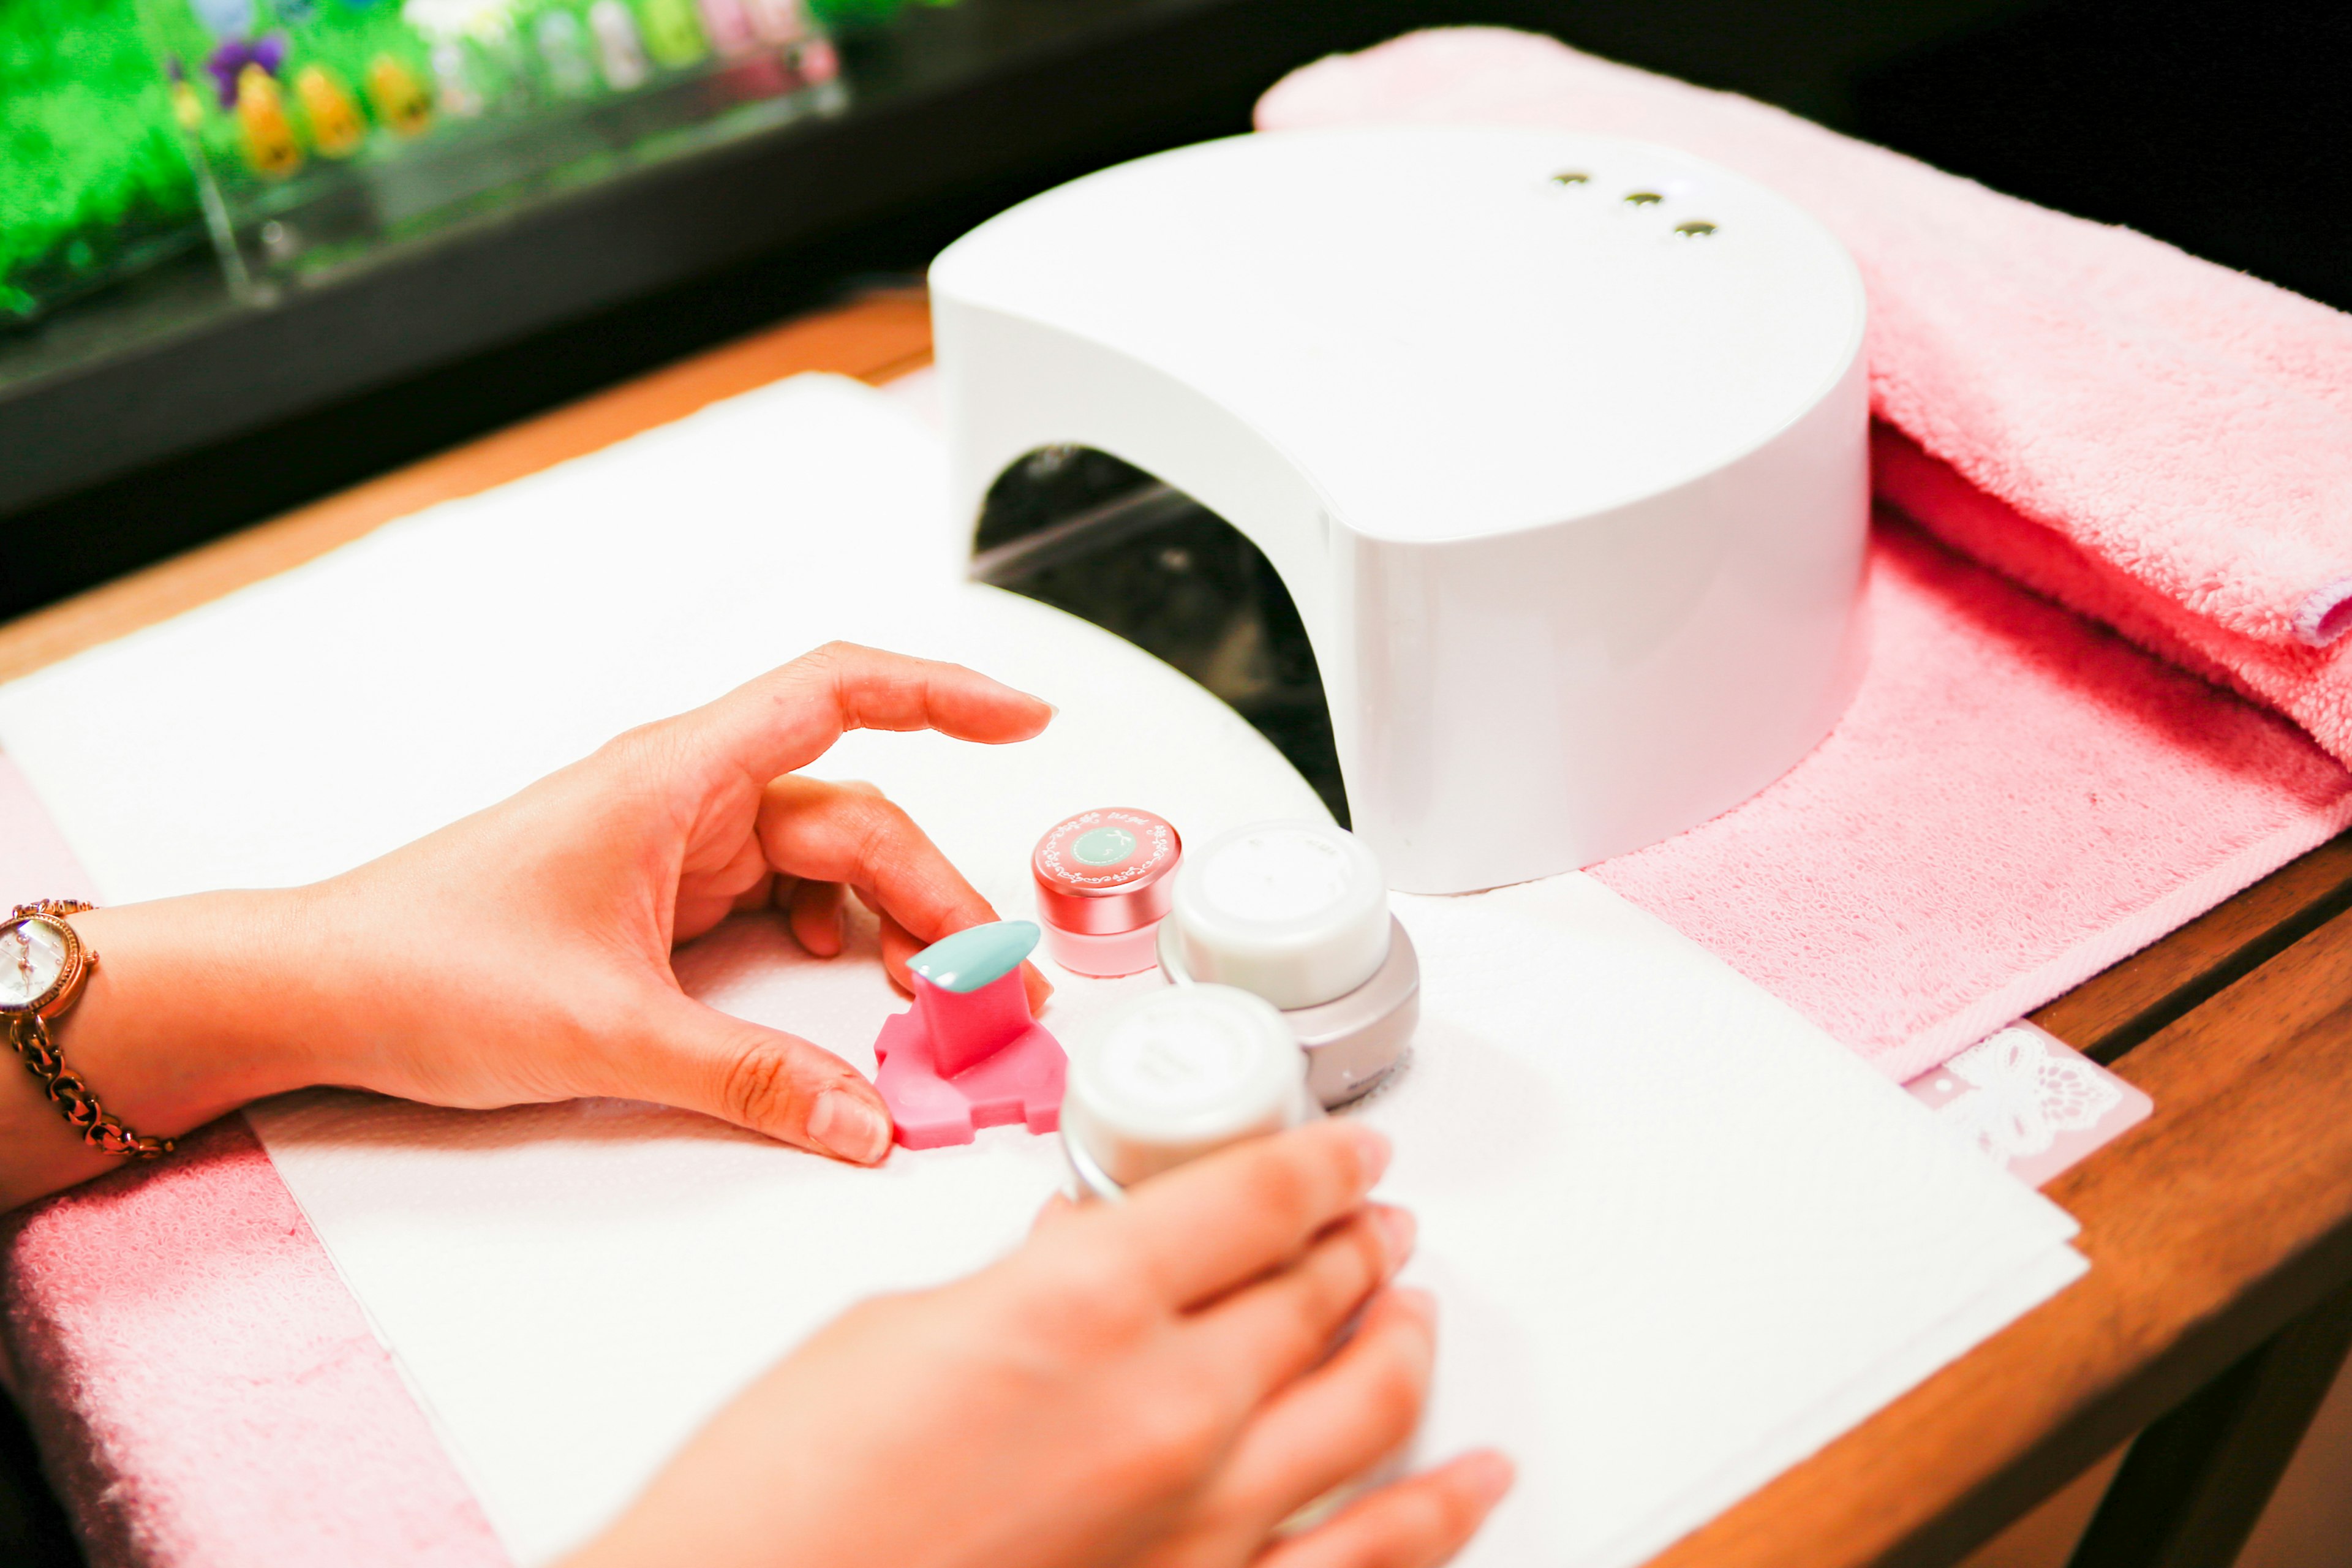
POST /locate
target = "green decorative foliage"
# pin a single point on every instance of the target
(853, 14)
(103, 104)
(87, 146)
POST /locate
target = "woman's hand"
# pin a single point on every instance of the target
(523, 954)
(1144, 1383)
(552, 916)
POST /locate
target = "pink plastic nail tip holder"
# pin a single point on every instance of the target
(960, 1060)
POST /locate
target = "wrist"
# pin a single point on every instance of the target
(191, 1008)
(196, 1006)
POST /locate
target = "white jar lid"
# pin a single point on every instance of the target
(1294, 911)
(1178, 1072)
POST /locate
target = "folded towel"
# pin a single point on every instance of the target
(2015, 800)
(2312, 686)
(205, 1390)
(2181, 433)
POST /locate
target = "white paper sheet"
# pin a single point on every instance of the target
(1680, 1237)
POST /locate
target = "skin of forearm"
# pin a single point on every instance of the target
(196, 1005)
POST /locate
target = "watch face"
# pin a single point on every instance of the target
(32, 960)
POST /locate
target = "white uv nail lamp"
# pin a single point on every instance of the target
(1557, 442)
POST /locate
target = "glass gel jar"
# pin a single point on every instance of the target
(1104, 879)
(1297, 913)
(1173, 1075)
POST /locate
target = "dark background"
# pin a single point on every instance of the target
(154, 417)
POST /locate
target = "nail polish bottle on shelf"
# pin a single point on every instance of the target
(1297, 913)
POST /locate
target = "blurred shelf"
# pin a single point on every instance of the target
(160, 412)
(952, 97)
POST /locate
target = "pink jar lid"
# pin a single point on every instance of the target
(1103, 872)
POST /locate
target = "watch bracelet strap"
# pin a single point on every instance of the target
(29, 1034)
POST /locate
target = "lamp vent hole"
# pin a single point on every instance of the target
(1697, 228)
(1642, 198)
(1571, 177)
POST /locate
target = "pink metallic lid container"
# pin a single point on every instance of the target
(1104, 879)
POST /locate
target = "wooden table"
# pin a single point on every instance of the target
(2220, 1231)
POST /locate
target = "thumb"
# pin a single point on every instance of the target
(699, 1058)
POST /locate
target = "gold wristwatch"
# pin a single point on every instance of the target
(44, 965)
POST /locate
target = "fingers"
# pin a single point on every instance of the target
(756, 896)
(1415, 1523)
(699, 1058)
(817, 915)
(850, 834)
(704, 900)
(1268, 1334)
(1204, 1228)
(1339, 1420)
(789, 717)
(834, 833)
(899, 946)
(1056, 1210)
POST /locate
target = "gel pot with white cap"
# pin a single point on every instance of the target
(1175, 1075)
(1296, 912)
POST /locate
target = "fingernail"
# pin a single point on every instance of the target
(1490, 1475)
(1373, 1150)
(1417, 1302)
(847, 1126)
(1398, 1228)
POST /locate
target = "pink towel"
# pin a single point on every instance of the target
(207, 1393)
(2016, 799)
(2182, 434)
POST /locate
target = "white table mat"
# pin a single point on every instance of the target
(1679, 1236)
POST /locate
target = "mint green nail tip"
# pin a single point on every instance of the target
(970, 959)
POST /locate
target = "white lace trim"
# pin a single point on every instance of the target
(2023, 1096)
